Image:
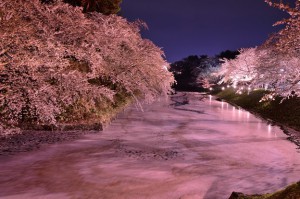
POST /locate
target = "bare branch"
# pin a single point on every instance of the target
(2, 65)
(3, 51)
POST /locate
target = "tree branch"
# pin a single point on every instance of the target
(2, 64)
(3, 51)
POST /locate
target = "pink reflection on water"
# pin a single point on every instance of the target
(269, 128)
(210, 99)
(240, 113)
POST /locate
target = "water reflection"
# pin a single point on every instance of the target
(259, 125)
(240, 114)
(237, 114)
(269, 128)
(232, 113)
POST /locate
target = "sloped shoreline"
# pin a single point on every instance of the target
(31, 140)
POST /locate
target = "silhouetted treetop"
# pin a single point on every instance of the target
(228, 54)
(188, 72)
(105, 7)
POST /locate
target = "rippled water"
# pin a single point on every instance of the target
(186, 147)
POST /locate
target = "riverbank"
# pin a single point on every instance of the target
(32, 140)
(290, 192)
(32, 137)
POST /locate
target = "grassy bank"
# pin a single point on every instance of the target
(286, 112)
(290, 192)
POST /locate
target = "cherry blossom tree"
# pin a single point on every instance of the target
(242, 69)
(287, 40)
(54, 57)
(275, 65)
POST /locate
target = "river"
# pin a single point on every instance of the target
(187, 147)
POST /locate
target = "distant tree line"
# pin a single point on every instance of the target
(190, 72)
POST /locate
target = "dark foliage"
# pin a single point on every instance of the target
(47, 1)
(228, 54)
(105, 7)
(184, 73)
(188, 70)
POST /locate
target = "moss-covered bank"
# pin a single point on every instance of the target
(290, 192)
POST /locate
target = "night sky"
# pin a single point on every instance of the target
(203, 27)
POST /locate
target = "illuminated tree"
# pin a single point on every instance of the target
(287, 40)
(54, 58)
(275, 65)
(242, 69)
